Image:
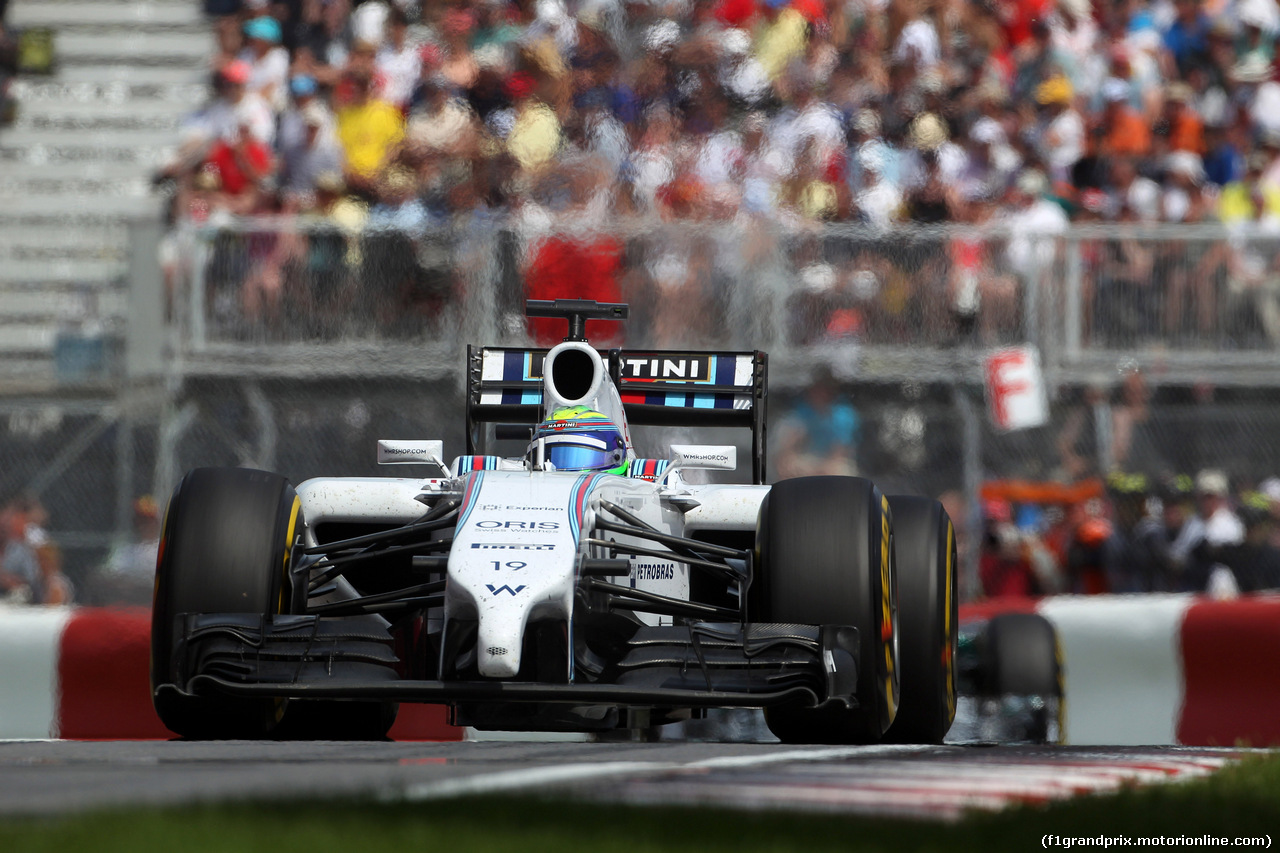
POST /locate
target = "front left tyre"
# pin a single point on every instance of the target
(224, 548)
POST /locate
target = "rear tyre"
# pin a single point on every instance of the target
(224, 548)
(925, 548)
(824, 556)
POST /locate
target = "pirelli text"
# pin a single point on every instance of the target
(1107, 841)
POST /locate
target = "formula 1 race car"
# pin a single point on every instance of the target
(574, 588)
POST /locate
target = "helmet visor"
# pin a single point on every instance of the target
(581, 452)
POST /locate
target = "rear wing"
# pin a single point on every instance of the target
(658, 388)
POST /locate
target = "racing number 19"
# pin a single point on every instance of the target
(514, 565)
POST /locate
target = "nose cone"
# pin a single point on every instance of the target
(498, 646)
(513, 560)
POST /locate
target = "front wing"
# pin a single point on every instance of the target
(700, 665)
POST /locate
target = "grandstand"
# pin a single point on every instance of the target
(75, 171)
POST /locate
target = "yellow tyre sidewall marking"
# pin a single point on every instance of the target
(887, 615)
(278, 705)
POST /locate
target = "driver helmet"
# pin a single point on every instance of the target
(577, 438)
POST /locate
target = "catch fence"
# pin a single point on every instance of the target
(294, 345)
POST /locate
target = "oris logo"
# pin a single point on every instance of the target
(518, 525)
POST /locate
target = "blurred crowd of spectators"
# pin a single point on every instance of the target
(876, 111)
(1137, 534)
(573, 113)
(30, 560)
(31, 565)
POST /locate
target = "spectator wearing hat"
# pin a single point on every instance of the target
(268, 61)
(990, 164)
(233, 106)
(239, 161)
(1258, 93)
(1255, 562)
(1219, 527)
(1259, 25)
(1183, 198)
(1173, 542)
(1270, 489)
(1075, 35)
(368, 21)
(1222, 526)
(1036, 223)
(1184, 131)
(1088, 552)
(1126, 559)
(878, 201)
(1150, 540)
(917, 41)
(292, 132)
(1034, 62)
(316, 153)
(932, 196)
(1062, 132)
(929, 146)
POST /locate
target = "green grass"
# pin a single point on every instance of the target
(1241, 800)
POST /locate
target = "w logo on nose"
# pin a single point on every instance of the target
(494, 590)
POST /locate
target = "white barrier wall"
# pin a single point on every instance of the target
(29, 642)
(1124, 680)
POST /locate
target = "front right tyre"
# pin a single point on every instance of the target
(925, 545)
(824, 556)
(224, 548)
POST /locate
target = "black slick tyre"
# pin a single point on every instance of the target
(824, 557)
(224, 548)
(1020, 657)
(925, 547)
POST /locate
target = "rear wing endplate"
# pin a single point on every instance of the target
(657, 387)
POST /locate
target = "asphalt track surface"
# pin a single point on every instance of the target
(51, 777)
